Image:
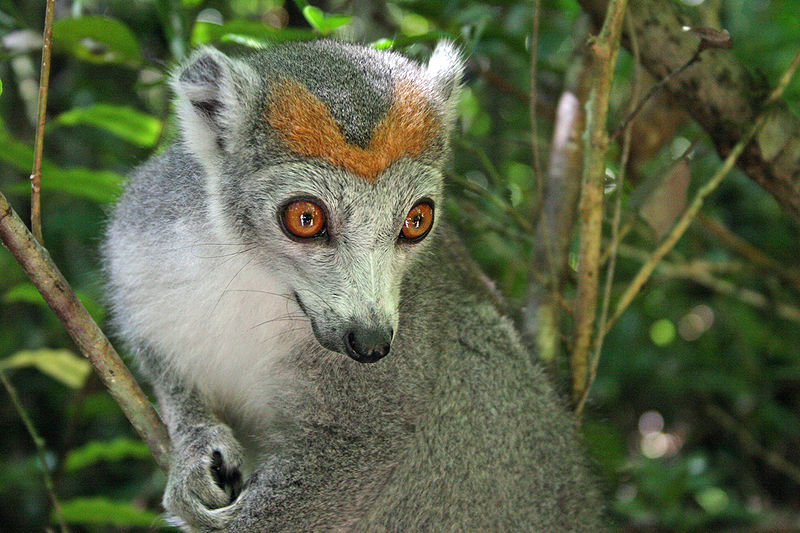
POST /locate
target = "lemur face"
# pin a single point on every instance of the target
(332, 168)
(342, 245)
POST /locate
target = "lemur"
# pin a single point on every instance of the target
(325, 354)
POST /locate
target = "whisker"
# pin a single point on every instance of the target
(195, 245)
(285, 296)
(281, 318)
(229, 284)
(318, 297)
(283, 333)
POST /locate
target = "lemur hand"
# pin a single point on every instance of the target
(204, 477)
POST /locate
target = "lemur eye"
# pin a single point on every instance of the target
(303, 219)
(418, 222)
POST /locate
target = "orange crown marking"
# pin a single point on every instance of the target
(306, 126)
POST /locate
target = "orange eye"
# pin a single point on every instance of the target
(304, 219)
(418, 222)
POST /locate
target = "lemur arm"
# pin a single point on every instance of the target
(204, 475)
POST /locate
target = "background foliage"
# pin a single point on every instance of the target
(693, 423)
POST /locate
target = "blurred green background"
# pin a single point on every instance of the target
(693, 423)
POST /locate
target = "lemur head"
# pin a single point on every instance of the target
(326, 157)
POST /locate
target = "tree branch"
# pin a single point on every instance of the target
(44, 274)
(721, 95)
(701, 272)
(556, 221)
(38, 442)
(691, 212)
(534, 46)
(603, 60)
(615, 227)
(748, 251)
(38, 144)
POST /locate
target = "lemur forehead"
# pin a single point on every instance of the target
(306, 126)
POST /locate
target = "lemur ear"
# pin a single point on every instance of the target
(209, 86)
(446, 68)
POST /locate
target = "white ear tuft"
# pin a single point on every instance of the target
(446, 67)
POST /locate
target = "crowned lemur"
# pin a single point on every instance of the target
(323, 351)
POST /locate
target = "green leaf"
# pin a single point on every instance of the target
(382, 44)
(97, 39)
(24, 293)
(208, 32)
(1, 86)
(315, 17)
(61, 365)
(324, 23)
(101, 186)
(27, 293)
(98, 185)
(124, 122)
(333, 22)
(102, 511)
(112, 450)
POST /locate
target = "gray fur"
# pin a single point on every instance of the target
(240, 329)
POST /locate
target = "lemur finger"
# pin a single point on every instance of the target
(227, 476)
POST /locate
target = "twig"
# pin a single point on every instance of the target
(38, 441)
(38, 144)
(752, 446)
(700, 272)
(693, 209)
(615, 227)
(614, 244)
(499, 203)
(495, 178)
(534, 45)
(44, 274)
(748, 251)
(653, 90)
(604, 54)
(555, 217)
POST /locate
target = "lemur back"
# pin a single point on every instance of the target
(324, 353)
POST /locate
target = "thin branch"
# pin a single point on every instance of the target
(700, 272)
(604, 55)
(534, 46)
(614, 244)
(555, 214)
(493, 198)
(615, 226)
(752, 446)
(691, 212)
(654, 89)
(495, 178)
(37, 264)
(38, 144)
(38, 441)
(748, 251)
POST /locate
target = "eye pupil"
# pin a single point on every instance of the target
(306, 219)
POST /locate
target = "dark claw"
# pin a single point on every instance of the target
(226, 477)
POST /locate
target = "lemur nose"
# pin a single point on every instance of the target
(367, 345)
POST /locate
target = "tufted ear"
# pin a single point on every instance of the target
(209, 87)
(445, 69)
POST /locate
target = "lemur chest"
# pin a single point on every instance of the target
(225, 325)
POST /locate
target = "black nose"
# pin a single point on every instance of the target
(367, 345)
